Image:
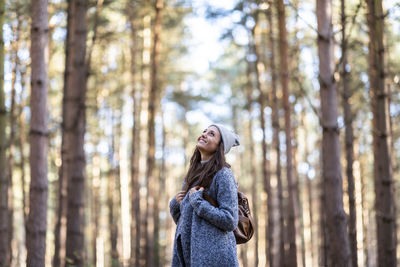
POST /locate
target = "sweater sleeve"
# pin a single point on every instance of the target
(225, 216)
(174, 209)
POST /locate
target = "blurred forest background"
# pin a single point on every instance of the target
(101, 103)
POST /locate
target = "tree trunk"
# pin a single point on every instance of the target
(153, 102)
(16, 31)
(162, 193)
(74, 130)
(252, 160)
(323, 259)
(113, 191)
(276, 145)
(242, 253)
(348, 121)
(310, 210)
(309, 189)
(262, 98)
(94, 184)
(365, 217)
(37, 218)
(298, 203)
(339, 251)
(291, 257)
(4, 250)
(62, 204)
(22, 141)
(136, 141)
(135, 152)
(383, 173)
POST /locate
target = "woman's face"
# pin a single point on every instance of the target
(208, 142)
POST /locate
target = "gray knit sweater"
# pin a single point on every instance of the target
(204, 234)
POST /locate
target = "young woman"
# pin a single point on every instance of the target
(204, 234)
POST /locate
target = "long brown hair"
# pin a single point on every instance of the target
(202, 174)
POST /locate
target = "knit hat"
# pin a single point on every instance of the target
(229, 138)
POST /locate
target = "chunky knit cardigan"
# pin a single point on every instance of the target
(204, 234)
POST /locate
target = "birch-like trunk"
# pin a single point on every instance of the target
(336, 225)
(37, 218)
(383, 173)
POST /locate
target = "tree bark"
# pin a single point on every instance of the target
(339, 250)
(74, 130)
(22, 141)
(16, 31)
(153, 101)
(383, 173)
(291, 257)
(113, 191)
(62, 203)
(135, 152)
(349, 139)
(252, 160)
(276, 145)
(37, 218)
(309, 189)
(262, 99)
(4, 250)
(323, 259)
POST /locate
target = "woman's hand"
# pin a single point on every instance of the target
(180, 196)
(195, 189)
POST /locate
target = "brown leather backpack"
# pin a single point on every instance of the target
(245, 228)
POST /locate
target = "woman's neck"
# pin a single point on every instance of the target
(204, 161)
(206, 157)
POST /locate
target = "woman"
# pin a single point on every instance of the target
(204, 234)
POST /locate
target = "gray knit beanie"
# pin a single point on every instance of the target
(229, 138)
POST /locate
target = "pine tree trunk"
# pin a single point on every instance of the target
(16, 31)
(135, 147)
(298, 206)
(252, 160)
(291, 257)
(164, 199)
(74, 124)
(94, 185)
(295, 63)
(365, 216)
(4, 250)
(276, 145)
(113, 192)
(309, 190)
(323, 259)
(135, 152)
(310, 211)
(153, 102)
(383, 173)
(260, 83)
(37, 218)
(22, 141)
(275, 124)
(62, 203)
(348, 121)
(339, 250)
(239, 172)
